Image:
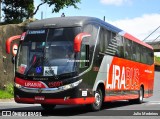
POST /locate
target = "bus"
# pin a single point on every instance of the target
(81, 61)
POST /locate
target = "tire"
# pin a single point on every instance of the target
(141, 96)
(96, 106)
(139, 100)
(48, 107)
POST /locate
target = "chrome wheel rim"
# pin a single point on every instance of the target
(98, 99)
(141, 95)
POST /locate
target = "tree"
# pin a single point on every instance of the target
(58, 5)
(17, 10)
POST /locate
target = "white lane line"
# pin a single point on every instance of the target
(153, 103)
(16, 104)
(8, 102)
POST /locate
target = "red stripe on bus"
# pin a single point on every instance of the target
(73, 101)
(147, 95)
(122, 97)
(29, 84)
(130, 37)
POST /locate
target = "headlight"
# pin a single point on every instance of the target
(17, 85)
(72, 85)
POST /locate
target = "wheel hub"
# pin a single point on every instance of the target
(141, 95)
(98, 99)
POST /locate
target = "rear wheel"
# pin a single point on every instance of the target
(141, 95)
(139, 100)
(98, 100)
(48, 106)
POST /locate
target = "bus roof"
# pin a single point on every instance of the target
(80, 21)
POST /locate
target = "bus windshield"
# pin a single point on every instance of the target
(47, 52)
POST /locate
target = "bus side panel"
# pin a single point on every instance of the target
(125, 78)
(149, 72)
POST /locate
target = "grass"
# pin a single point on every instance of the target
(7, 93)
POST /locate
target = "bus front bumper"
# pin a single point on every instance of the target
(65, 101)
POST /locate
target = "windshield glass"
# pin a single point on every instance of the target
(47, 52)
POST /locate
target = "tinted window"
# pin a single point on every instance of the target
(103, 41)
(112, 44)
(93, 30)
(120, 46)
(128, 49)
(137, 49)
(63, 34)
(83, 56)
(147, 56)
(150, 56)
(144, 55)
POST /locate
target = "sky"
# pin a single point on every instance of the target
(137, 17)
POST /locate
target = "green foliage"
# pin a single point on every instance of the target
(7, 92)
(9, 88)
(57, 5)
(17, 10)
(60, 4)
(5, 95)
(157, 60)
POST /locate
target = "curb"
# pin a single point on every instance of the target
(7, 100)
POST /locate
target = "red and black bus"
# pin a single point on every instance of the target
(81, 60)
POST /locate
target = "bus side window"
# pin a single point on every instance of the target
(138, 52)
(120, 46)
(134, 56)
(93, 30)
(84, 54)
(102, 39)
(128, 49)
(150, 56)
(147, 56)
(143, 55)
(112, 43)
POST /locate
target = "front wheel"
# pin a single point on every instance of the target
(98, 101)
(48, 107)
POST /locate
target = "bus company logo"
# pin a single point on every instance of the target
(40, 79)
(39, 90)
(33, 84)
(125, 77)
(36, 32)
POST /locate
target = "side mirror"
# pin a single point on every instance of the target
(13, 38)
(78, 41)
(8, 42)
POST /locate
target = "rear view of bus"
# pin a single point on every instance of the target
(81, 60)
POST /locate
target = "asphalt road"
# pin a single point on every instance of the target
(120, 109)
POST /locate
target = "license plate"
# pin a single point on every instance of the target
(39, 98)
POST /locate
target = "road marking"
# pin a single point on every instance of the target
(8, 102)
(14, 104)
(153, 102)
